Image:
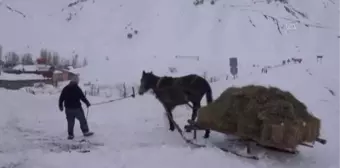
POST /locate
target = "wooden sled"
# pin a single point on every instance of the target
(193, 126)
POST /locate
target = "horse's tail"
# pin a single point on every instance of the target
(209, 94)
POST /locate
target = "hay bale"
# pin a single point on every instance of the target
(268, 115)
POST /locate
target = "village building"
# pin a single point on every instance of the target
(26, 75)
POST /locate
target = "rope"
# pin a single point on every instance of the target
(87, 113)
(133, 95)
(109, 101)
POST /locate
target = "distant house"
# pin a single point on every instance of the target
(32, 68)
(30, 73)
(60, 75)
(8, 65)
(17, 81)
(24, 79)
(70, 67)
(24, 68)
(27, 69)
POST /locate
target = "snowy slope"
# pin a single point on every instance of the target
(128, 130)
(98, 29)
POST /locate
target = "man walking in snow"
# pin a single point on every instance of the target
(70, 98)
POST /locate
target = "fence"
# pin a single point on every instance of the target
(118, 90)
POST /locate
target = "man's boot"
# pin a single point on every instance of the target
(88, 134)
(70, 137)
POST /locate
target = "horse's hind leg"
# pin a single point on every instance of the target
(196, 106)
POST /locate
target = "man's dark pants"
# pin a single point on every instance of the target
(71, 115)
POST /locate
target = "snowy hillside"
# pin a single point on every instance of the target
(134, 132)
(254, 31)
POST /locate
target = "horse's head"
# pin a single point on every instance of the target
(147, 82)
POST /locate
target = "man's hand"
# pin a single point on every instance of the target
(88, 105)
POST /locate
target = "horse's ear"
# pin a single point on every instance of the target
(143, 72)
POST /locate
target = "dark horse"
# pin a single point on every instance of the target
(174, 91)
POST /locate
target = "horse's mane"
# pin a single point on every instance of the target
(164, 78)
(168, 77)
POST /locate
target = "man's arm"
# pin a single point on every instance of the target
(82, 97)
(61, 99)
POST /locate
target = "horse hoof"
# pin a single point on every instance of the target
(172, 129)
(187, 129)
(189, 121)
(206, 136)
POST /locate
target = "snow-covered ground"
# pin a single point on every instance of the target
(134, 132)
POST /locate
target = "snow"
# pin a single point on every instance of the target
(134, 132)
(75, 70)
(36, 67)
(8, 76)
(57, 72)
(25, 67)
(42, 67)
(43, 89)
(130, 129)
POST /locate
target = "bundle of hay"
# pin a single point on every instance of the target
(270, 116)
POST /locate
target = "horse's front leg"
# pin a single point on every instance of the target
(170, 117)
(171, 124)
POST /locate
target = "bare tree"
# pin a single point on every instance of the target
(85, 63)
(49, 58)
(0, 52)
(27, 59)
(65, 62)
(43, 54)
(12, 58)
(55, 59)
(75, 61)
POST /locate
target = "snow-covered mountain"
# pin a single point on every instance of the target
(133, 132)
(253, 31)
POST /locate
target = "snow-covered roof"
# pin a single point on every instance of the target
(37, 67)
(57, 72)
(43, 67)
(7, 76)
(26, 67)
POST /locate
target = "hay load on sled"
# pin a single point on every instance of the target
(269, 116)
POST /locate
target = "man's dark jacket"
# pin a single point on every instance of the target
(71, 96)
